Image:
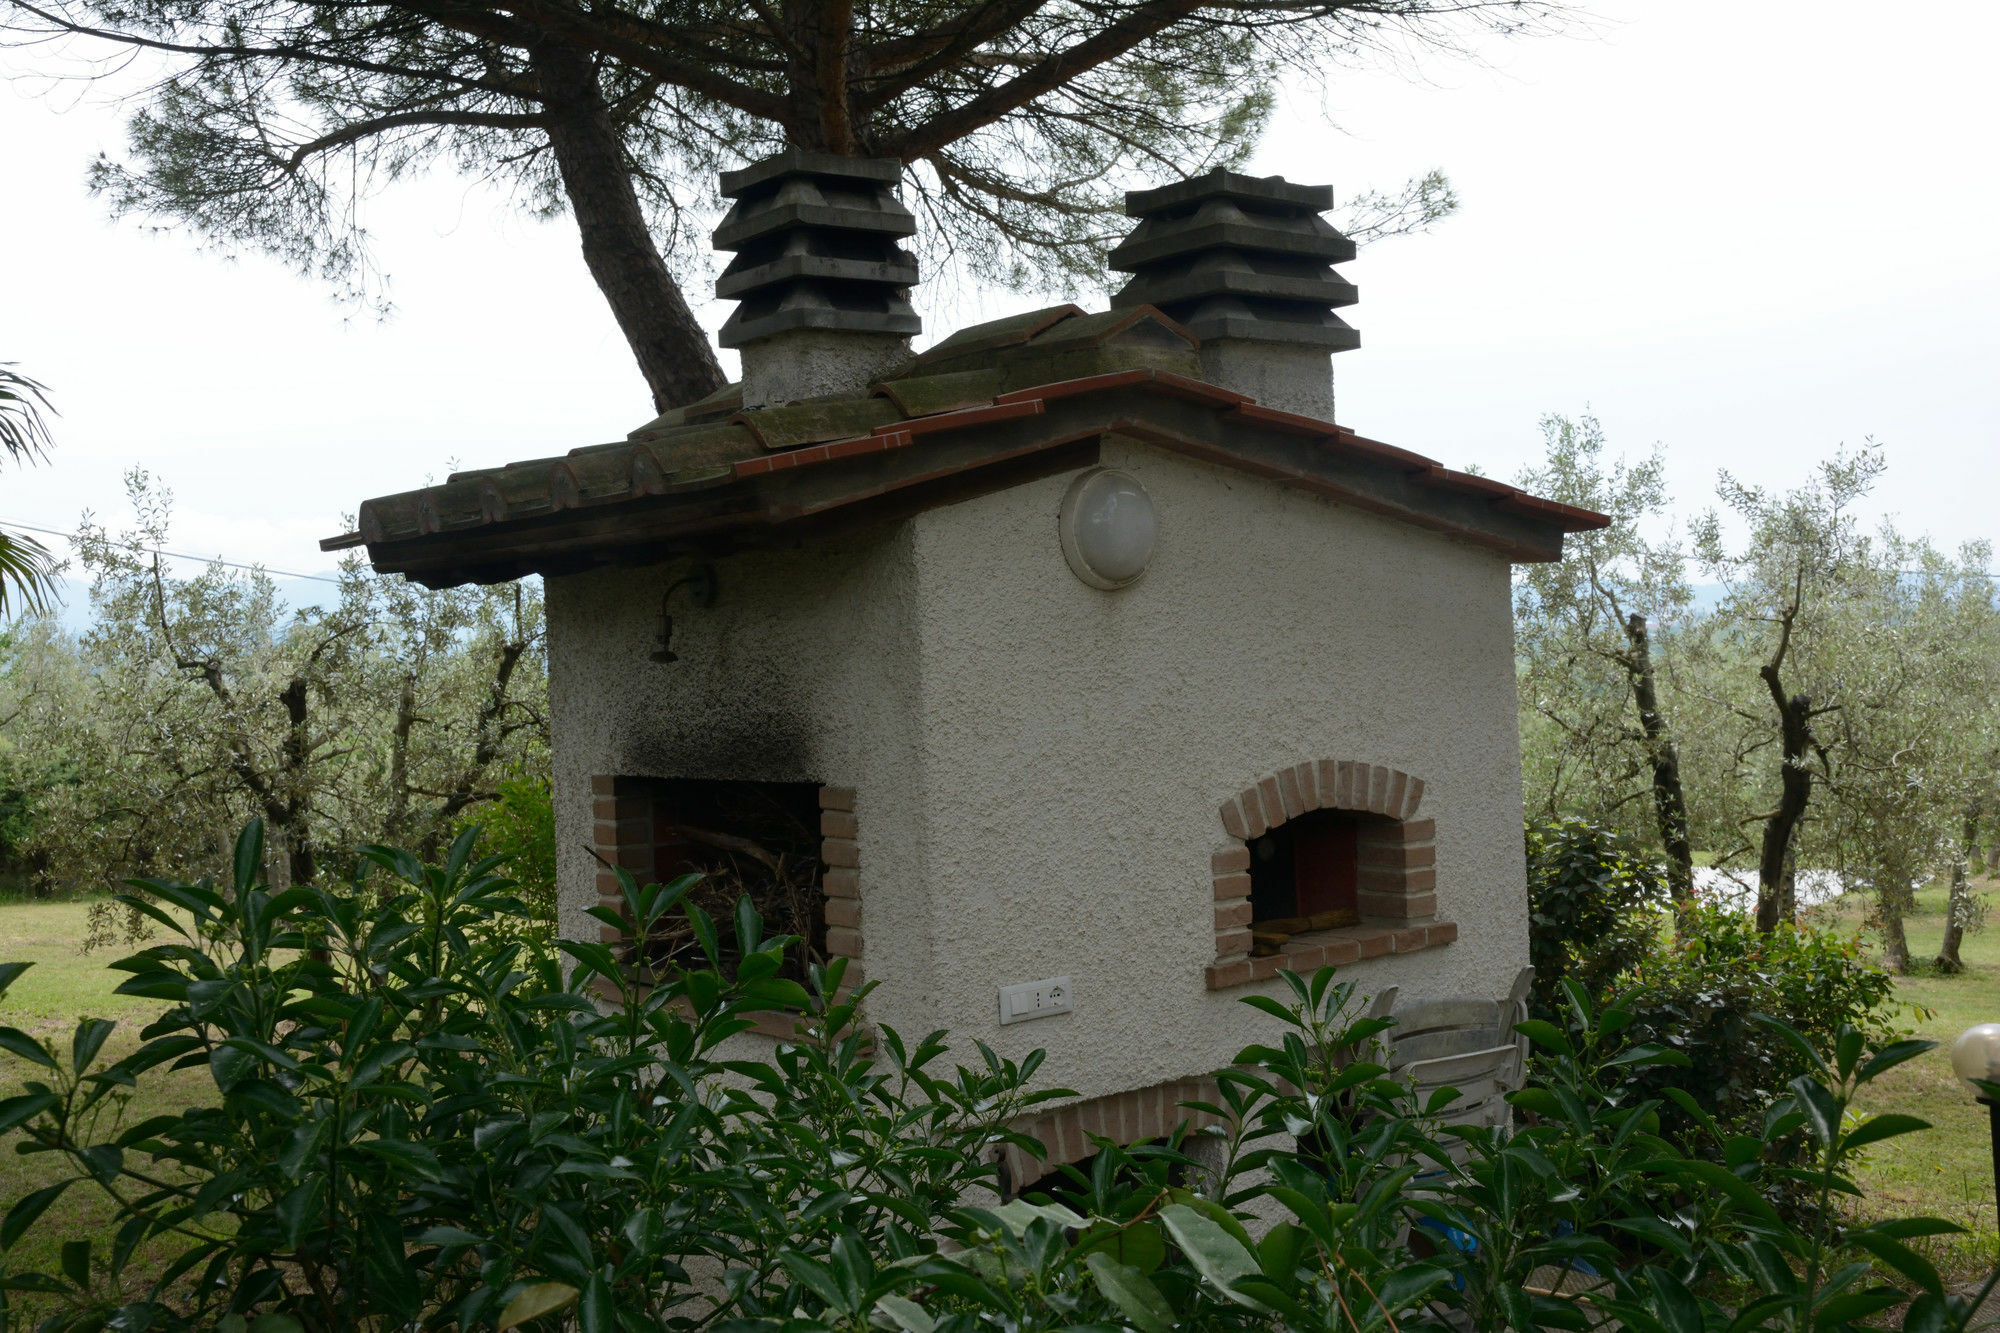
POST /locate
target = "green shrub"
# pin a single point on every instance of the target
(1593, 910)
(519, 827)
(419, 1122)
(1707, 991)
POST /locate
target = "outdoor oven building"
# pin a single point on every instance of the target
(1096, 652)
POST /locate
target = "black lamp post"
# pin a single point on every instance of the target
(1975, 1057)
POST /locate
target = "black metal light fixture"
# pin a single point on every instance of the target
(700, 585)
(1975, 1057)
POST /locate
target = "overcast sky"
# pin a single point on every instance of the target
(1748, 232)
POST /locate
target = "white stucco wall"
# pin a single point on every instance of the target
(1039, 764)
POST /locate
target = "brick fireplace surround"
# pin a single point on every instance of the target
(625, 834)
(1397, 896)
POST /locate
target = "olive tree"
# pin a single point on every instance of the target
(1596, 730)
(194, 702)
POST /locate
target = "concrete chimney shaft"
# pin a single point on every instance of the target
(1245, 264)
(823, 285)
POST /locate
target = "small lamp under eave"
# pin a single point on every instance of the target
(1975, 1057)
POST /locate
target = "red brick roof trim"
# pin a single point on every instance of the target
(1028, 402)
(825, 453)
(1468, 482)
(1257, 414)
(1195, 391)
(597, 474)
(887, 437)
(1584, 520)
(1003, 409)
(1389, 453)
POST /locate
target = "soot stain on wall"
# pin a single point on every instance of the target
(768, 739)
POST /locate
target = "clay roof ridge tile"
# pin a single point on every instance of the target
(1071, 388)
(1098, 326)
(1277, 419)
(1014, 406)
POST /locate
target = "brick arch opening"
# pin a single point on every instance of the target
(1383, 902)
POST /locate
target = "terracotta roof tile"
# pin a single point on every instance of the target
(817, 421)
(981, 390)
(1007, 332)
(1070, 388)
(923, 395)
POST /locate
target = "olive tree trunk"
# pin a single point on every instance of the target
(1794, 793)
(1956, 907)
(1669, 796)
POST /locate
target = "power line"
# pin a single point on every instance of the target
(180, 555)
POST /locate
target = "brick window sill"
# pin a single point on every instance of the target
(1332, 948)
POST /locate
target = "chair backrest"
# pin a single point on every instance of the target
(1462, 1042)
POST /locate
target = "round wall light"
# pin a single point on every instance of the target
(1108, 527)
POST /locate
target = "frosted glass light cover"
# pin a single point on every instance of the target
(1108, 528)
(1976, 1053)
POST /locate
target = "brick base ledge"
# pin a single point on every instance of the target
(1332, 948)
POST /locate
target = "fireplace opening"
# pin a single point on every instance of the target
(760, 839)
(1305, 875)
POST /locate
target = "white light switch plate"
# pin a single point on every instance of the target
(1035, 999)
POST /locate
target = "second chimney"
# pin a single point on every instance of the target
(823, 284)
(1244, 262)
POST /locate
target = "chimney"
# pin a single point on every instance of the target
(1245, 264)
(823, 286)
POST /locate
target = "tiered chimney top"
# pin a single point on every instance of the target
(823, 284)
(1245, 264)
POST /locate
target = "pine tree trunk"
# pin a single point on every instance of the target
(1669, 797)
(670, 346)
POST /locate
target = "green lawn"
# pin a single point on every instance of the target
(64, 985)
(1948, 1171)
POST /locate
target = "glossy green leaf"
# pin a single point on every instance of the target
(23, 1214)
(1901, 1259)
(76, 1263)
(905, 1314)
(1132, 1292)
(1673, 1303)
(1890, 1056)
(1545, 1035)
(1216, 1254)
(1880, 1127)
(19, 1110)
(534, 1301)
(20, 1043)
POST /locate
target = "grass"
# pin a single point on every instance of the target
(64, 985)
(1948, 1171)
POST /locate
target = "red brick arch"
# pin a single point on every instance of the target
(1398, 891)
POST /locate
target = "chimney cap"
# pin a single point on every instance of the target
(804, 162)
(823, 288)
(1222, 183)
